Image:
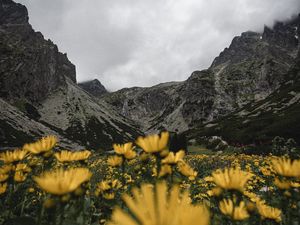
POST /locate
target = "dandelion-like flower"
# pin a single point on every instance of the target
(286, 167)
(154, 143)
(68, 156)
(231, 178)
(151, 205)
(186, 170)
(3, 188)
(43, 145)
(60, 182)
(115, 161)
(174, 158)
(235, 212)
(13, 156)
(3, 177)
(268, 212)
(108, 188)
(127, 150)
(165, 170)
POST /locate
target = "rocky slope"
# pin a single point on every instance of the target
(38, 90)
(250, 69)
(93, 87)
(259, 122)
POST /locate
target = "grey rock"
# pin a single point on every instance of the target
(93, 87)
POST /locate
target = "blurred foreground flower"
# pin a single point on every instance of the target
(13, 156)
(154, 143)
(43, 145)
(235, 212)
(157, 206)
(61, 181)
(231, 178)
(268, 212)
(68, 156)
(286, 167)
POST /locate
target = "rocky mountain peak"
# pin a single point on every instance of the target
(31, 67)
(93, 87)
(12, 13)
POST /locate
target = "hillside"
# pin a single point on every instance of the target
(38, 83)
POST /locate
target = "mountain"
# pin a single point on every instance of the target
(93, 87)
(259, 122)
(39, 94)
(249, 70)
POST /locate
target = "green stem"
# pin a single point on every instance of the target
(23, 205)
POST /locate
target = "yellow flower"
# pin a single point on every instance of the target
(60, 182)
(115, 161)
(154, 143)
(3, 177)
(286, 167)
(151, 205)
(125, 149)
(6, 168)
(109, 196)
(231, 178)
(268, 212)
(216, 191)
(23, 167)
(235, 212)
(20, 176)
(186, 170)
(164, 170)
(3, 188)
(106, 188)
(43, 145)
(282, 184)
(68, 156)
(174, 158)
(13, 156)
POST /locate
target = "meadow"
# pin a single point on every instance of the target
(144, 183)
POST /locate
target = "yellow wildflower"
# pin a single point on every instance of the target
(235, 212)
(154, 143)
(115, 161)
(20, 176)
(3, 177)
(61, 181)
(3, 188)
(231, 178)
(286, 167)
(155, 206)
(108, 196)
(268, 212)
(23, 167)
(174, 158)
(68, 156)
(43, 145)
(282, 184)
(186, 170)
(164, 170)
(13, 156)
(125, 149)
(216, 191)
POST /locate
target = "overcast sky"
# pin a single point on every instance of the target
(126, 43)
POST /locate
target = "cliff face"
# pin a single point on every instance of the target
(250, 69)
(31, 67)
(38, 90)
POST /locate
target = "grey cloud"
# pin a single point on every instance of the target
(141, 43)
